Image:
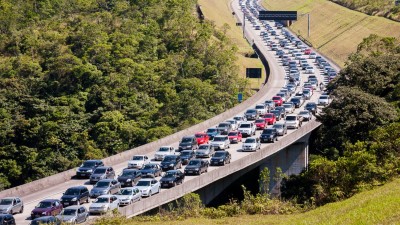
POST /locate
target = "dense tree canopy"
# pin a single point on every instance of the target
(84, 79)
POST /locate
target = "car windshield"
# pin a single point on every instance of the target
(137, 157)
(44, 205)
(230, 121)
(219, 154)
(6, 201)
(149, 166)
(69, 212)
(260, 121)
(251, 111)
(287, 106)
(260, 107)
(223, 125)
(170, 174)
(199, 135)
(244, 125)
(163, 149)
(232, 134)
(295, 100)
(206, 146)
(278, 126)
(310, 105)
(211, 130)
(194, 163)
(101, 200)
(102, 184)
(304, 113)
(186, 140)
(250, 140)
(125, 192)
(88, 164)
(72, 192)
(323, 97)
(169, 159)
(185, 153)
(99, 171)
(291, 118)
(128, 173)
(143, 183)
(237, 118)
(268, 115)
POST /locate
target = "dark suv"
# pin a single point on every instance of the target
(103, 172)
(129, 177)
(7, 219)
(187, 143)
(171, 162)
(269, 135)
(75, 196)
(87, 168)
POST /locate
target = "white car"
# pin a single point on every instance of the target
(103, 204)
(292, 121)
(221, 142)
(247, 128)
(313, 55)
(251, 144)
(138, 161)
(240, 118)
(261, 109)
(163, 151)
(289, 107)
(234, 124)
(323, 100)
(129, 195)
(148, 186)
(11, 205)
(310, 70)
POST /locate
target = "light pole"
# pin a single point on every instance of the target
(308, 23)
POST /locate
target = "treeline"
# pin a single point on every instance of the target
(358, 145)
(82, 79)
(384, 8)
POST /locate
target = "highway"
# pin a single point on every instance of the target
(276, 82)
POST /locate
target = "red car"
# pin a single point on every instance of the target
(269, 118)
(235, 136)
(307, 51)
(202, 138)
(278, 100)
(260, 124)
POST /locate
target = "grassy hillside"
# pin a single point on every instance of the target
(220, 13)
(378, 206)
(385, 8)
(335, 30)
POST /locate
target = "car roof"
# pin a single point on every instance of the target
(105, 196)
(9, 198)
(108, 180)
(50, 200)
(77, 187)
(93, 160)
(103, 167)
(129, 170)
(148, 179)
(74, 207)
(43, 218)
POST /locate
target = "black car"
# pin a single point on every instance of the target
(87, 168)
(75, 196)
(251, 114)
(129, 177)
(196, 166)
(277, 114)
(296, 101)
(269, 135)
(46, 220)
(282, 110)
(220, 158)
(151, 170)
(188, 142)
(312, 107)
(7, 219)
(172, 178)
(187, 155)
(171, 162)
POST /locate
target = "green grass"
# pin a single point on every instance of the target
(220, 13)
(335, 30)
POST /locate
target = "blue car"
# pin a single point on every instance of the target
(212, 132)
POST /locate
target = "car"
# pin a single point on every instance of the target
(206, 151)
(148, 186)
(171, 162)
(297, 101)
(129, 177)
(11, 205)
(323, 100)
(163, 151)
(104, 187)
(87, 168)
(261, 109)
(100, 173)
(247, 129)
(128, 195)
(234, 124)
(196, 166)
(172, 178)
(151, 170)
(104, 204)
(281, 128)
(75, 196)
(260, 124)
(235, 137)
(46, 220)
(307, 51)
(307, 94)
(289, 107)
(202, 138)
(269, 118)
(212, 132)
(312, 107)
(47, 207)
(313, 55)
(220, 158)
(277, 114)
(283, 96)
(251, 114)
(278, 100)
(270, 104)
(224, 128)
(310, 70)
(187, 155)
(188, 142)
(221, 142)
(7, 219)
(74, 214)
(138, 161)
(293, 121)
(251, 144)
(240, 119)
(269, 135)
(306, 115)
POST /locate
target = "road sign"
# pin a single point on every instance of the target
(277, 15)
(253, 72)
(240, 97)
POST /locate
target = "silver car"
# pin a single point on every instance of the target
(281, 128)
(11, 205)
(74, 214)
(205, 151)
(106, 186)
(129, 195)
(251, 144)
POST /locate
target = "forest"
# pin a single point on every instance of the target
(85, 79)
